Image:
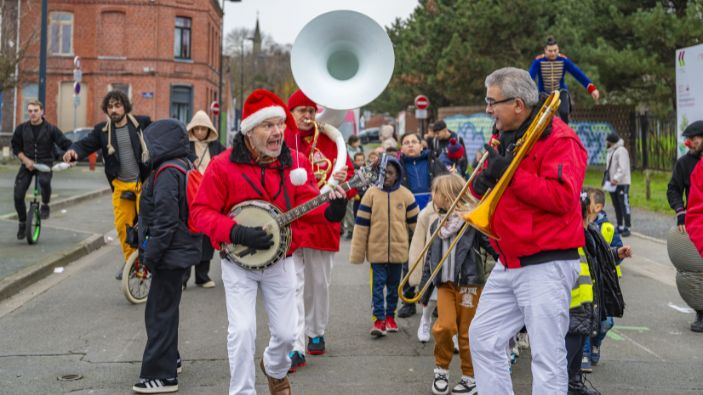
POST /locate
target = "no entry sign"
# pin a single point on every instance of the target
(422, 102)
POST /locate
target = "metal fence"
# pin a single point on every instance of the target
(655, 142)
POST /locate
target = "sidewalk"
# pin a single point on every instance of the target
(70, 233)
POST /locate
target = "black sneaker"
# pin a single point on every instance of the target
(155, 386)
(316, 345)
(467, 385)
(408, 310)
(697, 325)
(44, 211)
(297, 361)
(22, 231)
(625, 232)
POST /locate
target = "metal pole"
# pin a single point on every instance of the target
(219, 89)
(42, 52)
(241, 80)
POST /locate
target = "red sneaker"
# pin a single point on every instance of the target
(379, 328)
(391, 325)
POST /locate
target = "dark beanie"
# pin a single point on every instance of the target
(439, 125)
(694, 129)
(613, 138)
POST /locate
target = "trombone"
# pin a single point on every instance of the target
(480, 217)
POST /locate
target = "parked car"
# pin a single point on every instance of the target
(75, 135)
(369, 135)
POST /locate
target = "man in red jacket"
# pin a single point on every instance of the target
(258, 167)
(538, 222)
(319, 242)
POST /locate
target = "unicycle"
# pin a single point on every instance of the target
(136, 280)
(33, 230)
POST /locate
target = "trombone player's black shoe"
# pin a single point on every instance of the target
(408, 310)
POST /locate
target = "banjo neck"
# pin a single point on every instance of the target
(297, 212)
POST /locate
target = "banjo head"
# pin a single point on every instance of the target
(264, 214)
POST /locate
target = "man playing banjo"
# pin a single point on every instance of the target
(259, 166)
(319, 242)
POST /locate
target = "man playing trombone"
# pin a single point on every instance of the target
(537, 220)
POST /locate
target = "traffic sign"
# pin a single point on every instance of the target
(422, 102)
(420, 114)
(215, 108)
(76, 88)
(76, 101)
(77, 62)
(77, 75)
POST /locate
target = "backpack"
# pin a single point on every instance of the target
(193, 180)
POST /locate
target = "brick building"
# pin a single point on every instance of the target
(164, 54)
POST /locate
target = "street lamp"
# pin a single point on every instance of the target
(220, 88)
(241, 75)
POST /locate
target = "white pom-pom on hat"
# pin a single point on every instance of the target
(298, 176)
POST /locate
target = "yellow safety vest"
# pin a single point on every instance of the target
(608, 231)
(582, 292)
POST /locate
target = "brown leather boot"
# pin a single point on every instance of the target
(276, 386)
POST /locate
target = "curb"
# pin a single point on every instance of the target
(649, 238)
(16, 282)
(59, 204)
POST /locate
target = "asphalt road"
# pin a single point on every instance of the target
(78, 322)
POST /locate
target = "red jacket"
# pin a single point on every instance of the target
(312, 234)
(538, 218)
(694, 211)
(232, 178)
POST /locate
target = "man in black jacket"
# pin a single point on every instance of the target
(680, 183)
(125, 156)
(33, 142)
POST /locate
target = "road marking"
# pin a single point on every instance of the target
(613, 334)
(639, 329)
(681, 309)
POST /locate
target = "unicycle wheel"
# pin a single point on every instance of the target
(33, 224)
(136, 280)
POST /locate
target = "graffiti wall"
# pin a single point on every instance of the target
(476, 130)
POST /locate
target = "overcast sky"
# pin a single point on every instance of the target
(284, 19)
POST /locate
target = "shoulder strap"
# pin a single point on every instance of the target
(182, 169)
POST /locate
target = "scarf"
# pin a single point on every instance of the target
(454, 223)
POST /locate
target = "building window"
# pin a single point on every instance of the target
(29, 92)
(181, 103)
(181, 43)
(124, 88)
(61, 33)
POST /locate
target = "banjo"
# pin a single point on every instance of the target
(277, 223)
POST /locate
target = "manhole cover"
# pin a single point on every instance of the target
(69, 377)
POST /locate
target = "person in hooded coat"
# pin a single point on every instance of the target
(167, 248)
(204, 144)
(387, 215)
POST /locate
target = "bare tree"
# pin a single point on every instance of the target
(11, 52)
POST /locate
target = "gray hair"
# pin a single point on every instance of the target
(514, 82)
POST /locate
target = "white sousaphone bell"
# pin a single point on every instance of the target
(341, 60)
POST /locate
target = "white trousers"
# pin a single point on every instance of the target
(277, 283)
(313, 269)
(537, 296)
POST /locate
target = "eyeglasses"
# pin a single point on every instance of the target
(492, 102)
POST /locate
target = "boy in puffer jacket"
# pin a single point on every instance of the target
(384, 221)
(168, 249)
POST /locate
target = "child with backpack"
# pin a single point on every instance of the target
(598, 217)
(459, 283)
(204, 145)
(386, 216)
(168, 248)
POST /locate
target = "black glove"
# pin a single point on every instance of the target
(497, 164)
(252, 237)
(482, 183)
(336, 210)
(681, 218)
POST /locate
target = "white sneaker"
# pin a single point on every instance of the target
(455, 340)
(467, 385)
(424, 330)
(440, 386)
(523, 341)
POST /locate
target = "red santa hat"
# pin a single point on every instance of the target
(298, 99)
(262, 105)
